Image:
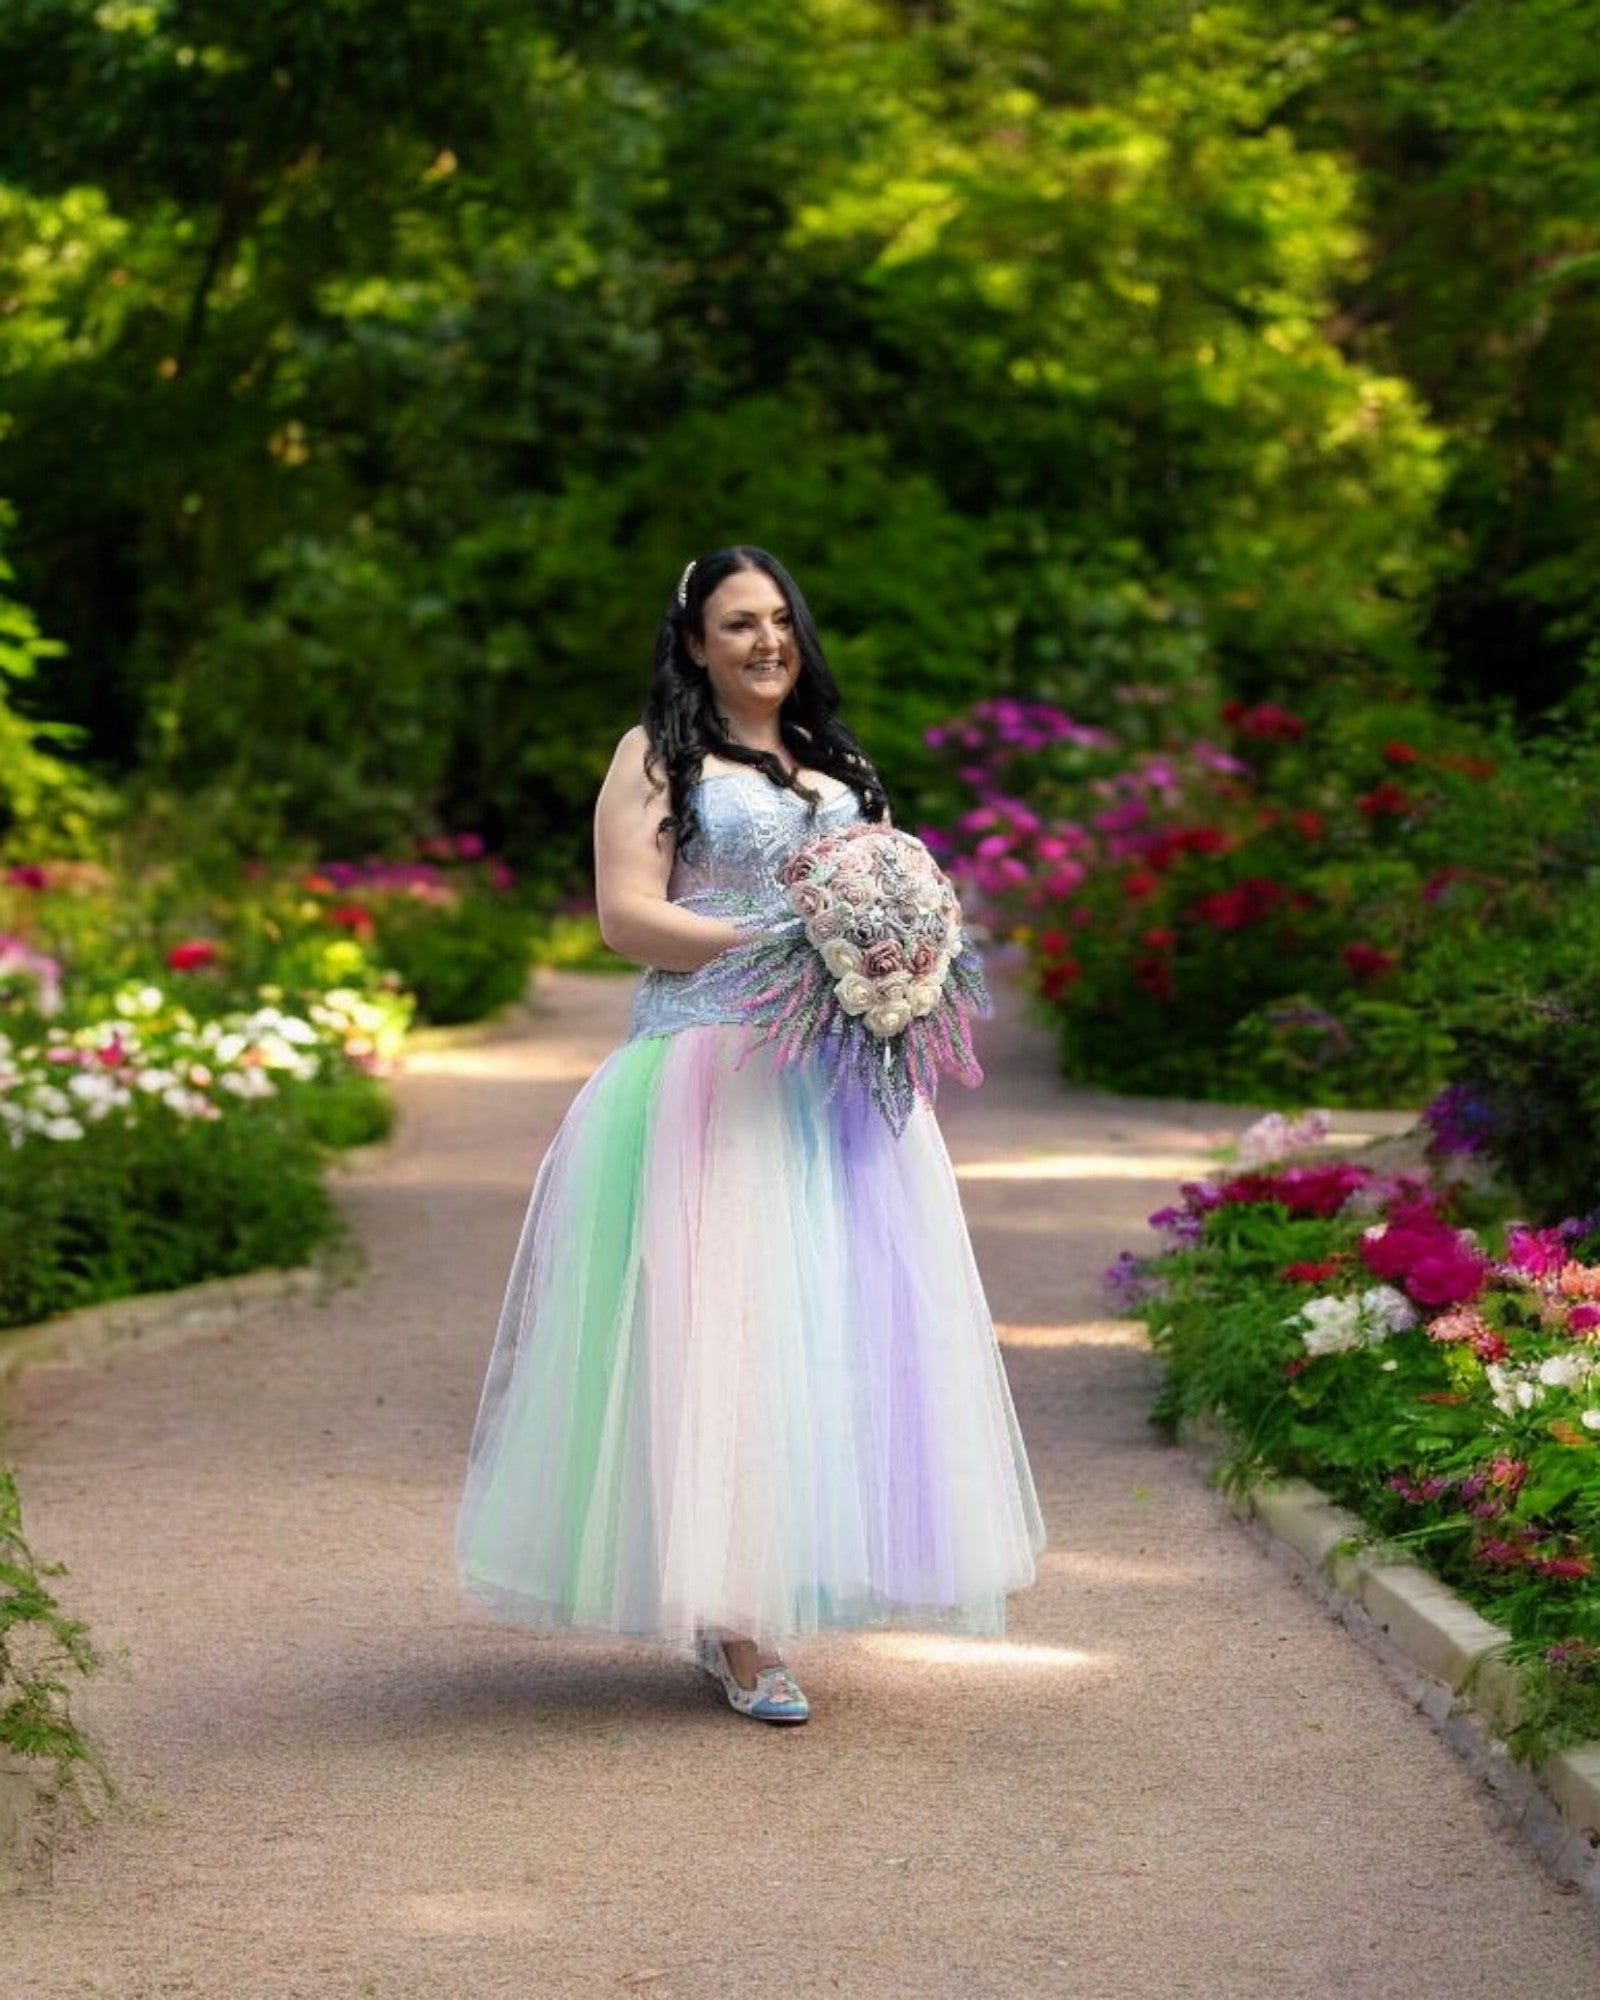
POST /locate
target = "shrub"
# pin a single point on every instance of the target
(155, 1204)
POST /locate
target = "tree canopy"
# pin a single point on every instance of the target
(368, 372)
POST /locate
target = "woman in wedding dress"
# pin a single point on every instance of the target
(745, 1385)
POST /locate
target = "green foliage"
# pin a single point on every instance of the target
(462, 963)
(43, 1653)
(407, 350)
(156, 1205)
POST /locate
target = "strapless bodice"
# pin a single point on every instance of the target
(748, 829)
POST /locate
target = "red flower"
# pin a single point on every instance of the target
(1469, 767)
(1319, 1191)
(1265, 722)
(1564, 1566)
(1056, 981)
(192, 954)
(353, 917)
(1140, 884)
(1401, 753)
(1234, 909)
(1313, 1274)
(1385, 800)
(1310, 825)
(1366, 961)
(1161, 940)
(1155, 976)
(1052, 943)
(29, 876)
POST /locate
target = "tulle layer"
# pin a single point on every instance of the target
(745, 1378)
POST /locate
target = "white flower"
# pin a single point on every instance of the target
(1328, 1325)
(1386, 1310)
(1274, 1137)
(922, 996)
(61, 1128)
(1590, 1420)
(855, 994)
(840, 957)
(887, 1017)
(1527, 1394)
(1566, 1371)
(247, 1083)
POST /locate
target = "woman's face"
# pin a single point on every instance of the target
(748, 648)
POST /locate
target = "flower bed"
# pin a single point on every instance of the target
(180, 1041)
(1265, 907)
(149, 1149)
(1346, 1325)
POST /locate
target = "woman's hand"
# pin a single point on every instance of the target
(632, 867)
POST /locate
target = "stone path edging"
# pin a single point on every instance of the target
(1449, 1657)
(155, 1318)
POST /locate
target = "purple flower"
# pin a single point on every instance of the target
(1129, 1285)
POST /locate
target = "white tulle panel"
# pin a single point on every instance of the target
(745, 1378)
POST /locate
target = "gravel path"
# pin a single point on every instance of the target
(1177, 1777)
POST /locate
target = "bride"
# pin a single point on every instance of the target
(745, 1385)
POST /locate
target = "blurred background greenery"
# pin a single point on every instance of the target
(368, 372)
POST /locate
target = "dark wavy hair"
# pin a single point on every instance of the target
(681, 720)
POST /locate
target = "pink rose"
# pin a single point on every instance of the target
(881, 961)
(808, 901)
(924, 958)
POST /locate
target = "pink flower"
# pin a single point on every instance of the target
(192, 954)
(1460, 1323)
(1579, 1281)
(881, 961)
(1583, 1319)
(1536, 1253)
(1429, 1258)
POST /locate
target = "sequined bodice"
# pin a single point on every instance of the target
(748, 828)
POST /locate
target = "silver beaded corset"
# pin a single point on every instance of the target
(748, 828)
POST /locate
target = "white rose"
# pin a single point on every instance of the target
(1590, 1420)
(923, 996)
(840, 957)
(888, 1017)
(855, 994)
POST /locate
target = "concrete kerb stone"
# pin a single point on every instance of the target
(156, 1319)
(1450, 1659)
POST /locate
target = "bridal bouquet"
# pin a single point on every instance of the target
(875, 972)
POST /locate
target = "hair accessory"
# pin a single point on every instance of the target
(683, 588)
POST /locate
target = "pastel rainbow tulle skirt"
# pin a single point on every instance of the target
(745, 1379)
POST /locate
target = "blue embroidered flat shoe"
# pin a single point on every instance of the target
(776, 1696)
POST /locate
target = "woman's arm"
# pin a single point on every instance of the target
(632, 865)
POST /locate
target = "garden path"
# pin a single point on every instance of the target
(1177, 1777)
